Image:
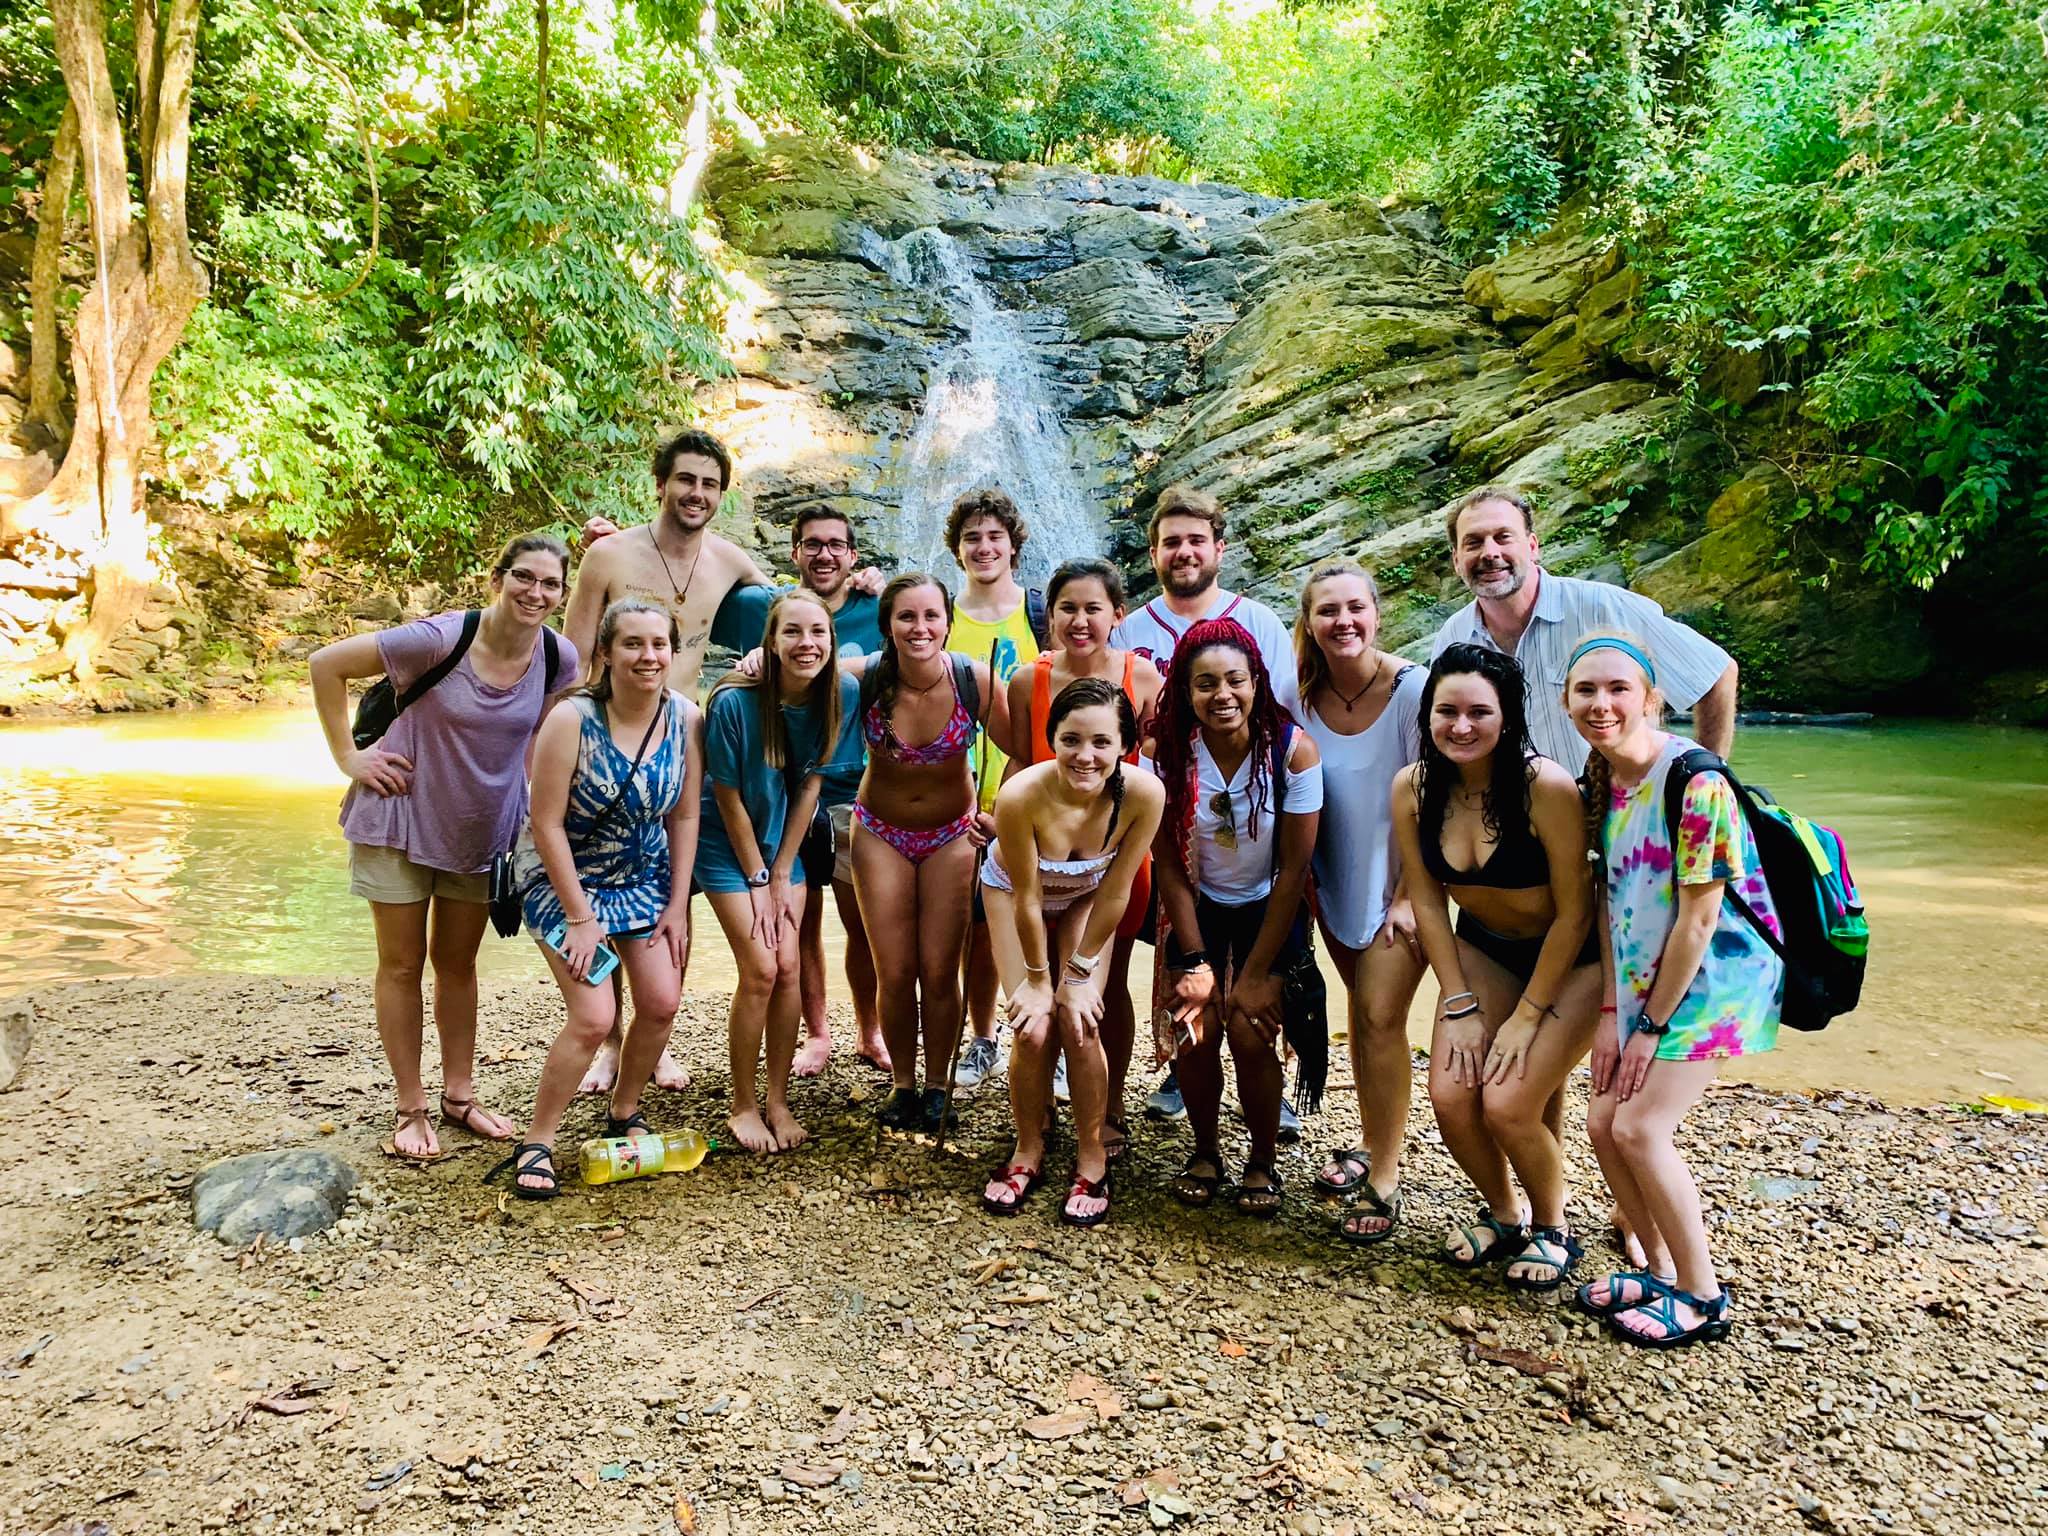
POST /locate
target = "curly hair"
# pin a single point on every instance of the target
(991, 501)
(703, 445)
(1504, 809)
(1177, 726)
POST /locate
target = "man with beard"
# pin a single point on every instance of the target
(1524, 611)
(677, 561)
(1186, 537)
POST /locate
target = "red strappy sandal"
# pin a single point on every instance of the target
(1020, 1181)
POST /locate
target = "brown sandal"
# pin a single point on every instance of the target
(423, 1120)
(461, 1112)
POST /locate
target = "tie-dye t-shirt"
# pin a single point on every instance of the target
(1731, 1008)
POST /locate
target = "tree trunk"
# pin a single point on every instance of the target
(45, 376)
(682, 186)
(146, 283)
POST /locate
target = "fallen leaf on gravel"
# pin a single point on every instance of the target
(455, 1454)
(1058, 1426)
(584, 1476)
(1093, 1389)
(337, 1411)
(594, 1298)
(296, 1398)
(686, 1516)
(541, 1340)
(992, 1268)
(841, 1426)
(1521, 1359)
(806, 1474)
(1030, 1296)
(1232, 1349)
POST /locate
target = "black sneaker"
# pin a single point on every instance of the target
(902, 1110)
(935, 1105)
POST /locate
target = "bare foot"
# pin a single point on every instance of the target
(751, 1132)
(875, 1053)
(604, 1070)
(413, 1136)
(788, 1134)
(812, 1055)
(669, 1074)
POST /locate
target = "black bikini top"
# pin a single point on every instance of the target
(1518, 862)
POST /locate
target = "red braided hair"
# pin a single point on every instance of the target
(1177, 726)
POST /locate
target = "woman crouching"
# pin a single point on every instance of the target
(1070, 837)
(1484, 821)
(605, 868)
(1689, 984)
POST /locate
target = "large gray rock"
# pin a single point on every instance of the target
(284, 1194)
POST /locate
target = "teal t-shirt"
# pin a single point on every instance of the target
(744, 615)
(735, 756)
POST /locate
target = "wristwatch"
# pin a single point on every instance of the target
(758, 879)
(1645, 1025)
(1084, 964)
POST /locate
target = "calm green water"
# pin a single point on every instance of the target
(180, 844)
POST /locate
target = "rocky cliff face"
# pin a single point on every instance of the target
(1324, 369)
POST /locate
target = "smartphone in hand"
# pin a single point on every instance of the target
(603, 961)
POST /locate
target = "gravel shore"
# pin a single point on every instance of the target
(841, 1340)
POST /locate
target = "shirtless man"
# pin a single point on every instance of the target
(677, 561)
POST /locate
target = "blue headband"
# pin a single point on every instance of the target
(1610, 643)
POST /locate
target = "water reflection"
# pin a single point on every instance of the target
(207, 843)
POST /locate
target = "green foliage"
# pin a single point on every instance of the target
(1866, 202)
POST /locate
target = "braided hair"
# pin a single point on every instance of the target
(888, 666)
(1504, 808)
(1178, 726)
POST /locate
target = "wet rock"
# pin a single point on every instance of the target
(14, 1037)
(284, 1194)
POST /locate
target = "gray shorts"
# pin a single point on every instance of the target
(842, 841)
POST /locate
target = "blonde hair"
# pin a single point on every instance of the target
(1311, 667)
(1596, 783)
(823, 701)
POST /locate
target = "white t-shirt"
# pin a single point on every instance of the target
(1154, 630)
(1237, 875)
(1356, 864)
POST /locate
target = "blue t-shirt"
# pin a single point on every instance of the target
(743, 616)
(735, 755)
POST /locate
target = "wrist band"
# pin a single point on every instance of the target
(1459, 997)
(1609, 1008)
(1462, 1013)
(1036, 970)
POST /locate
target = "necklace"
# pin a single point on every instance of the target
(1351, 703)
(682, 593)
(927, 688)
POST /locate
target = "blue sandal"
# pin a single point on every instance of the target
(1663, 1309)
(1650, 1283)
(1543, 1243)
(1508, 1241)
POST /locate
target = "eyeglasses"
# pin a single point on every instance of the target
(815, 547)
(550, 585)
(1220, 807)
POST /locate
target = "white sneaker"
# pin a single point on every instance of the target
(1059, 1080)
(977, 1063)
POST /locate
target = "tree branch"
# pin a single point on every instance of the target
(46, 337)
(540, 78)
(844, 15)
(362, 123)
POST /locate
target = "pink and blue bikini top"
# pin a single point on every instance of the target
(949, 743)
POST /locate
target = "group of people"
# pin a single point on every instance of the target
(1010, 791)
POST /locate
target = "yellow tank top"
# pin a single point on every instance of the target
(1010, 644)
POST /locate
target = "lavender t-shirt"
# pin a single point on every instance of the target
(466, 742)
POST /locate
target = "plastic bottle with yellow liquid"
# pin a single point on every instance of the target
(609, 1160)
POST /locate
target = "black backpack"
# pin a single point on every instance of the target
(1827, 941)
(1036, 616)
(381, 704)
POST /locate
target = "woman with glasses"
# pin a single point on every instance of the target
(1244, 794)
(434, 799)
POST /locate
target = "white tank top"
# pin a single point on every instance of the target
(1355, 864)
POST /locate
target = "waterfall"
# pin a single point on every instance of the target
(987, 420)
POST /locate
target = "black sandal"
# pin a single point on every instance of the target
(633, 1125)
(1197, 1189)
(1086, 1189)
(1537, 1251)
(1113, 1151)
(1387, 1207)
(1508, 1241)
(1346, 1184)
(1258, 1192)
(541, 1163)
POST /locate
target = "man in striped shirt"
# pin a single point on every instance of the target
(1523, 611)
